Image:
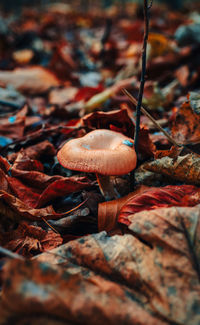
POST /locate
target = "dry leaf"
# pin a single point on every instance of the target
(15, 209)
(183, 168)
(34, 80)
(185, 128)
(27, 238)
(153, 198)
(130, 279)
(108, 211)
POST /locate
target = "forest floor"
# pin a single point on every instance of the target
(67, 255)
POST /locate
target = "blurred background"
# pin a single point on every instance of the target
(85, 5)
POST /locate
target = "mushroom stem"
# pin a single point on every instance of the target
(106, 187)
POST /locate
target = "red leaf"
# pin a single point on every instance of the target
(62, 187)
(37, 189)
(183, 195)
(117, 120)
(86, 93)
(27, 237)
(13, 208)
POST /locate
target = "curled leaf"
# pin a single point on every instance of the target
(183, 168)
(185, 128)
(27, 238)
(108, 211)
(32, 80)
(153, 198)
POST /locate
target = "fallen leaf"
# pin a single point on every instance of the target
(194, 98)
(16, 210)
(14, 128)
(85, 93)
(27, 238)
(108, 211)
(183, 168)
(159, 44)
(33, 80)
(62, 96)
(185, 127)
(130, 279)
(154, 198)
(117, 120)
(36, 189)
(97, 100)
(37, 151)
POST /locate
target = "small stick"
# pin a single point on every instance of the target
(6, 252)
(142, 80)
(143, 110)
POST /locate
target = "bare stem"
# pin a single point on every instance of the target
(142, 80)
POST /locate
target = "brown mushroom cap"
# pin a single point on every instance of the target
(101, 151)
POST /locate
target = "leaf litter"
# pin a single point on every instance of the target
(131, 260)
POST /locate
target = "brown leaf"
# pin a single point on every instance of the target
(183, 168)
(130, 279)
(185, 128)
(15, 209)
(153, 198)
(42, 149)
(62, 96)
(108, 211)
(37, 189)
(117, 120)
(27, 238)
(13, 130)
(31, 80)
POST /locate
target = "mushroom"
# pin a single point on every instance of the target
(103, 152)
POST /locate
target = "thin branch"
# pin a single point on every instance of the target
(142, 80)
(143, 110)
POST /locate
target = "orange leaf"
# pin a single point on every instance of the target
(160, 197)
(108, 211)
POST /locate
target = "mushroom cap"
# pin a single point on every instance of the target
(101, 151)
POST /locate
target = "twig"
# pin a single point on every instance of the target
(142, 80)
(10, 254)
(143, 110)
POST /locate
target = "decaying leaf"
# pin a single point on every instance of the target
(130, 279)
(27, 238)
(109, 210)
(185, 128)
(33, 80)
(154, 198)
(16, 210)
(117, 120)
(194, 98)
(97, 100)
(183, 168)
